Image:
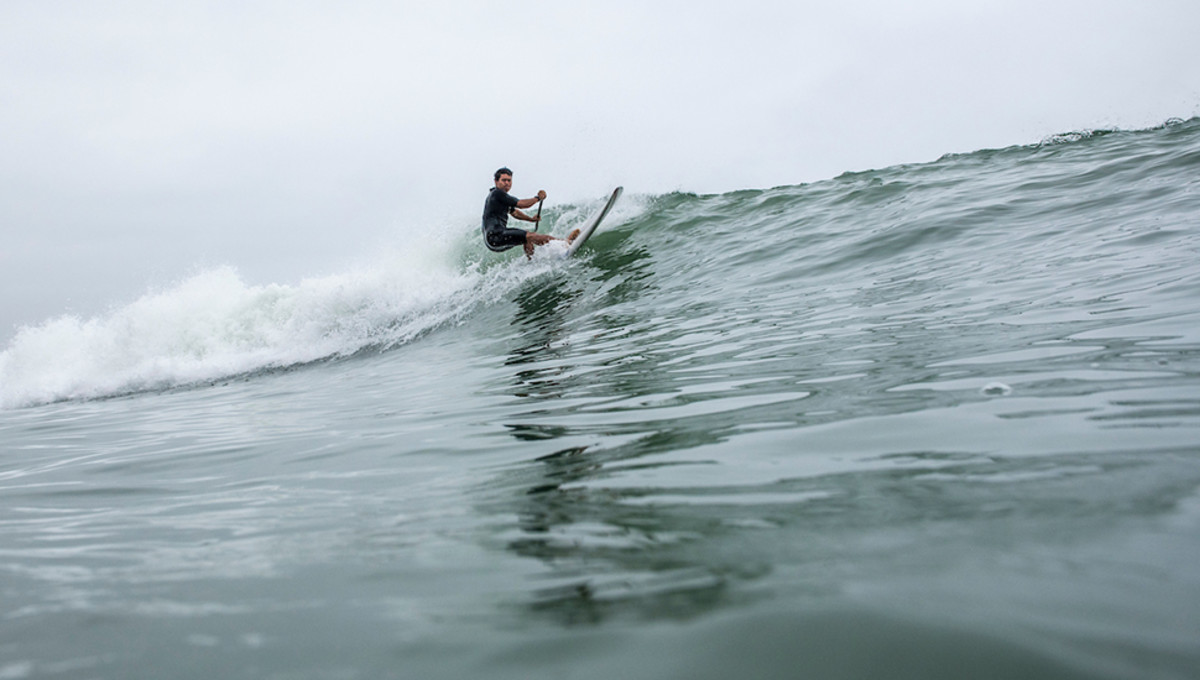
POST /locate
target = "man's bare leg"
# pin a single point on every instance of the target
(532, 238)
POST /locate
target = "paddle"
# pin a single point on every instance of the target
(538, 223)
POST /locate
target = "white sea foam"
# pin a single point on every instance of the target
(215, 324)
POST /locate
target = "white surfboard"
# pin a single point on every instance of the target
(594, 221)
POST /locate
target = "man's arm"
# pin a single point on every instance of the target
(530, 202)
(522, 216)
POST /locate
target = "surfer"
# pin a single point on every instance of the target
(497, 235)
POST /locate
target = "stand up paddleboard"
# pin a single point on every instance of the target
(594, 221)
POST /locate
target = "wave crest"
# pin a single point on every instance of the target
(215, 325)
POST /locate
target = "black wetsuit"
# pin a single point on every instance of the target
(497, 235)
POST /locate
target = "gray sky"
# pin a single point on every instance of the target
(140, 141)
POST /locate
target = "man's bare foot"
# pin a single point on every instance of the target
(572, 236)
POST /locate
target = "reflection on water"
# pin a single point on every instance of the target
(607, 558)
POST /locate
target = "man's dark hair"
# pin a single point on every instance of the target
(501, 171)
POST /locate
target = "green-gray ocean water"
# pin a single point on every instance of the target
(932, 421)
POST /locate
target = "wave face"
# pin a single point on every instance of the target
(1007, 234)
(892, 424)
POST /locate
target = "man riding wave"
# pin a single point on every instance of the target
(497, 235)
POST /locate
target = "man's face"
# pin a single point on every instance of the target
(504, 183)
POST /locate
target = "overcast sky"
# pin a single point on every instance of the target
(140, 140)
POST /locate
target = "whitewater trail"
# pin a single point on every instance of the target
(214, 325)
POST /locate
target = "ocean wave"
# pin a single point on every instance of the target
(1048, 220)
